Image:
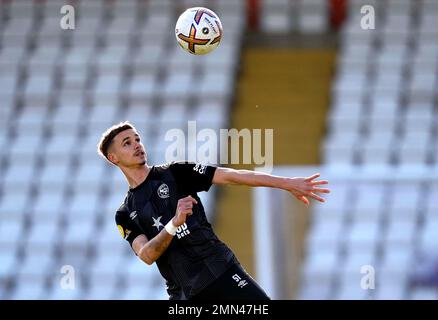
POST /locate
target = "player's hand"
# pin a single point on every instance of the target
(183, 209)
(304, 188)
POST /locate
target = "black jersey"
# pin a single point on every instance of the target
(195, 257)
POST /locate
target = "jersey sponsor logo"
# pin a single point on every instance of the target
(123, 232)
(133, 215)
(240, 283)
(163, 191)
(157, 223)
(182, 231)
(200, 168)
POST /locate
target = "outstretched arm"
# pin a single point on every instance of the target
(300, 187)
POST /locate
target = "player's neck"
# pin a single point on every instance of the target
(135, 176)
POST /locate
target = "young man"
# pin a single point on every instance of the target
(164, 221)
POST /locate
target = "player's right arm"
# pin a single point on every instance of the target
(150, 250)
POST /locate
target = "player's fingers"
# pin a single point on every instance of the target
(320, 182)
(316, 197)
(184, 205)
(187, 203)
(306, 201)
(321, 190)
(303, 199)
(316, 175)
(187, 210)
(191, 199)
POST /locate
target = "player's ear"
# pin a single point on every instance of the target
(112, 157)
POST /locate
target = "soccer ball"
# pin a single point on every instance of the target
(198, 30)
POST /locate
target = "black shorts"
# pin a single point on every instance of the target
(234, 284)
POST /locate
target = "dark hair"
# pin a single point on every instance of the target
(108, 136)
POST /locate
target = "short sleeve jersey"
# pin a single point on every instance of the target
(195, 257)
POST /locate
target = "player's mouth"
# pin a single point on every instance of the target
(139, 153)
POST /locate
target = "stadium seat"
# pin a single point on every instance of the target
(13, 204)
(18, 174)
(101, 288)
(8, 262)
(33, 289)
(11, 234)
(428, 236)
(61, 147)
(43, 234)
(424, 294)
(36, 264)
(370, 200)
(54, 174)
(277, 16)
(325, 234)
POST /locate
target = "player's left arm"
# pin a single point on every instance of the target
(300, 187)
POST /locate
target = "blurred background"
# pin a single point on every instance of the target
(348, 86)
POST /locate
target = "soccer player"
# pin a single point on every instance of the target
(164, 221)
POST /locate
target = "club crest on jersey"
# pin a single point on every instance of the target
(163, 191)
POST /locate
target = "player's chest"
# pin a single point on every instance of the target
(160, 199)
(156, 208)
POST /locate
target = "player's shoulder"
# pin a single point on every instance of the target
(181, 167)
(123, 210)
(170, 166)
(175, 164)
(164, 166)
(185, 166)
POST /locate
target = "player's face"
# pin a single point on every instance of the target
(128, 150)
